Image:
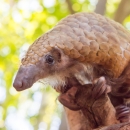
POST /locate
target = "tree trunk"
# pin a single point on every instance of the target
(123, 11)
(101, 7)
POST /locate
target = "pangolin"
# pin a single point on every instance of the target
(81, 48)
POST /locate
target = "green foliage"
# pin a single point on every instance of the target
(21, 22)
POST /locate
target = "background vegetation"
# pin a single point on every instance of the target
(21, 22)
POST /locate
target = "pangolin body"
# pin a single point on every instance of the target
(83, 46)
(88, 38)
(80, 49)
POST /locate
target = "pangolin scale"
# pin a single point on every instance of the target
(88, 38)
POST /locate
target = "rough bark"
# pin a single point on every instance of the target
(101, 7)
(70, 6)
(123, 11)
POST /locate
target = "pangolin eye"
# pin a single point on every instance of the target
(49, 59)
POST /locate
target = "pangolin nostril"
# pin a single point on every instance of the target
(17, 84)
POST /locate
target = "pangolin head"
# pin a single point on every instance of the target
(51, 57)
(54, 52)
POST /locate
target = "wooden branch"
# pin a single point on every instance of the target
(123, 11)
(101, 7)
(70, 6)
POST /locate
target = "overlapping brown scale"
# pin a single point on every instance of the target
(114, 37)
(101, 37)
(93, 22)
(47, 46)
(90, 15)
(97, 28)
(103, 46)
(73, 36)
(84, 26)
(94, 46)
(81, 58)
(77, 45)
(109, 28)
(111, 53)
(34, 48)
(92, 56)
(72, 19)
(123, 43)
(73, 24)
(105, 58)
(116, 49)
(122, 34)
(84, 40)
(85, 50)
(78, 31)
(102, 22)
(65, 28)
(90, 35)
(74, 53)
(60, 45)
(31, 53)
(35, 57)
(69, 45)
(82, 19)
(87, 37)
(67, 51)
(101, 56)
(40, 53)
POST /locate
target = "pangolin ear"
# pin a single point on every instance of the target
(57, 53)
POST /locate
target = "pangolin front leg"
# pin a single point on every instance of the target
(99, 88)
(123, 113)
(68, 99)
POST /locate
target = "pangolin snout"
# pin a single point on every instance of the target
(25, 77)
